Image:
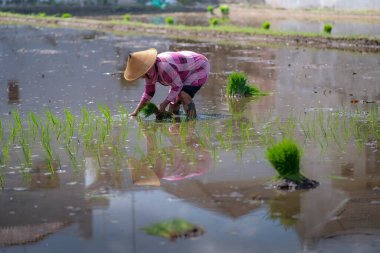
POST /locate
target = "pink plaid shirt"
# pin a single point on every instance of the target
(176, 69)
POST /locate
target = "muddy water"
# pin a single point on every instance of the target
(222, 188)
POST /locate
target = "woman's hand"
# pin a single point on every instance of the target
(132, 114)
(163, 105)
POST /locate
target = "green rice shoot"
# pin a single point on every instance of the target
(285, 157)
(238, 86)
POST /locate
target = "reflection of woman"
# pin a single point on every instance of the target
(184, 158)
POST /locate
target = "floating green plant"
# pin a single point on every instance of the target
(285, 157)
(238, 86)
(327, 28)
(224, 9)
(174, 229)
(265, 25)
(169, 20)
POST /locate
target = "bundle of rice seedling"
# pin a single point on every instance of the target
(285, 158)
(238, 86)
(149, 109)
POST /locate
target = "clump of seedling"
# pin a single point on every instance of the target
(327, 28)
(285, 157)
(224, 9)
(266, 25)
(210, 9)
(66, 15)
(150, 109)
(169, 20)
(127, 17)
(238, 86)
(214, 21)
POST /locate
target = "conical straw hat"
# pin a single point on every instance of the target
(139, 63)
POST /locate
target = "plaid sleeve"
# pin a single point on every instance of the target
(150, 89)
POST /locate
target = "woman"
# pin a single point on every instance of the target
(184, 71)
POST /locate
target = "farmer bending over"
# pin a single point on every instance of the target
(184, 71)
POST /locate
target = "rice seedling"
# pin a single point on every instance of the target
(210, 9)
(17, 121)
(85, 120)
(238, 86)
(26, 150)
(285, 157)
(45, 142)
(169, 20)
(327, 28)
(107, 115)
(150, 109)
(33, 124)
(224, 9)
(12, 132)
(72, 156)
(215, 21)
(6, 151)
(265, 25)
(123, 112)
(70, 121)
(127, 17)
(66, 15)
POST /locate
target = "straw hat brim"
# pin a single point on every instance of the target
(139, 64)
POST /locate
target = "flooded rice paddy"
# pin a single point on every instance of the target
(78, 172)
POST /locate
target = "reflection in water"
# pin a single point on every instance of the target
(183, 158)
(13, 91)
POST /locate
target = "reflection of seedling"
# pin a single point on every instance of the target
(238, 86)
(210, 9)
(285, 158)
(174, 229)
(224, 9)
(169, 20)
(327, 28)
(266, 25)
